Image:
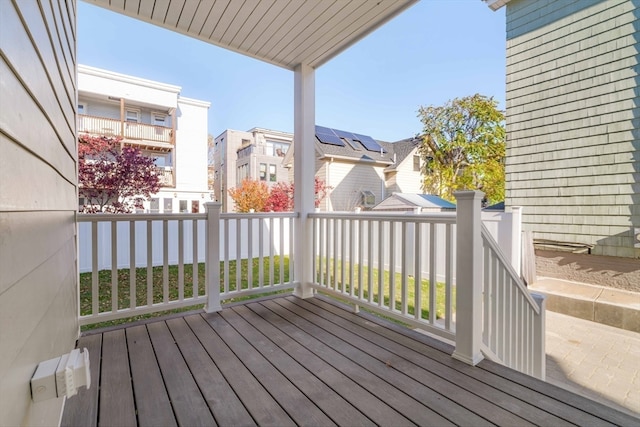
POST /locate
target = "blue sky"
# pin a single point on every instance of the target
(435, 51)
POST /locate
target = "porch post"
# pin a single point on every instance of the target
(539, 347)
(304, 117)
(212, 256)
(516, 239)
(468, 277)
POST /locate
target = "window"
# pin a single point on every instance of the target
(132, 116)
(158, 119)
(82, 108)
(161, 160)
(243, 172)
(154, 205)
(368, 198)
(195, 206)
(168, 205)
(183, 206)
(416, 163)
(263, 171)
(275, 148)
(272, 173)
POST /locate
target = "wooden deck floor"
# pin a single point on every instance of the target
(286, 361)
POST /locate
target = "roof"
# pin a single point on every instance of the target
(281, 32)
(496, 207)
(496, 4)
(407, 200)
(402, 149)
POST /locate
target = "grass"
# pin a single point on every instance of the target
(172, 291)
(345, 287)
(158, 292)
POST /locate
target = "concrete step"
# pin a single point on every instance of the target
(613, 307)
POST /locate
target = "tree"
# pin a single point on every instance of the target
(256, 195)
(463, 147)
(210, 162)
(114, 179)
(251, 194)
(280, 198)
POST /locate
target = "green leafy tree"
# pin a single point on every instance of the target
(463, 147)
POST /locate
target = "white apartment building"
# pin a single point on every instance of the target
(255, 154)
(155, 118)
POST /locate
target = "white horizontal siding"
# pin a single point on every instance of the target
(349, 180)
(572, 120)
(38, 200)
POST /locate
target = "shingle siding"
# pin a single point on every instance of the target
(573, 114)
(38, 200)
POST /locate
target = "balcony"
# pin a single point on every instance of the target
(283, 360)
(167, 176)
(150, 136)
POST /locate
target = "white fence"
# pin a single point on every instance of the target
(130, 258)
(444, 272)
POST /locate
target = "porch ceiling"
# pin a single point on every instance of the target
(281, 32)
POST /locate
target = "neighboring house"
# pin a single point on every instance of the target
(362, 171)
(255, 154)
(411, 202)
(573, 157)
(155, 118)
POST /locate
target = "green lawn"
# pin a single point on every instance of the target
(157, 288)
(345, 287)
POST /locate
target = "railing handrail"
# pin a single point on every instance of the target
(431, 217)
(522, 288)
(123, 121)
(175, 216)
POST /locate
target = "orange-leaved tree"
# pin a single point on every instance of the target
(250, 195)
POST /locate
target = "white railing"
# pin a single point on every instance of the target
(388, 263)
(169, 261)
(165, 176)
(431, 271)
(513, 318)
(115, 127)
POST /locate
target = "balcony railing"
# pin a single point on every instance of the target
(166, 175)
(126, 130)
(442, 272)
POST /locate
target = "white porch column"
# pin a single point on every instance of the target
(516, 238)
(468, 277)
(304, 117)
(212, 257)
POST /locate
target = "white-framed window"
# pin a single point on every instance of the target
(272, 173)
(263, 172)
(368, 198)
(82, 108)
(131, 115)
(158, 119)
(276, 148)
(416, 163)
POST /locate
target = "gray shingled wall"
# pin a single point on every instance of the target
(573, 120)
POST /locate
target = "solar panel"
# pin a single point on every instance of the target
(369, 143)
(343, 134)
(322, 129)
(329, 139)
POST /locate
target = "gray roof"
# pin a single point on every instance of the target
(398, 150)
(397, 200)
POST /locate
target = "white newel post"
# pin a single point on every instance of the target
(516, 239)
(212, 256)
(304, 173)
(539, 328)
(468, 277)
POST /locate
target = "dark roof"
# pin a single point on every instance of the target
(399, 200)
(497, 207)
(398, 150)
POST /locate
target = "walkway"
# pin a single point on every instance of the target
(595, 360)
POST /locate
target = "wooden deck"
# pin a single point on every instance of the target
(286, 361)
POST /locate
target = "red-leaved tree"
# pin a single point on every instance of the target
(256, 195)
(112, 179)
(280, 198)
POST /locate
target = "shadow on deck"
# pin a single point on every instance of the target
(286, 361)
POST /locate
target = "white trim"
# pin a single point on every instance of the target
(91, 71)
(194, 102)
(496, 4)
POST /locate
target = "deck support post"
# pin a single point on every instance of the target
(304, 172)
(468, 277)
(212, 256)
(539, 328)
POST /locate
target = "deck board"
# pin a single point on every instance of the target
(117, 407)
(153, 408)
(285, 361)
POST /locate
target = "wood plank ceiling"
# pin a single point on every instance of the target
(281, 32)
